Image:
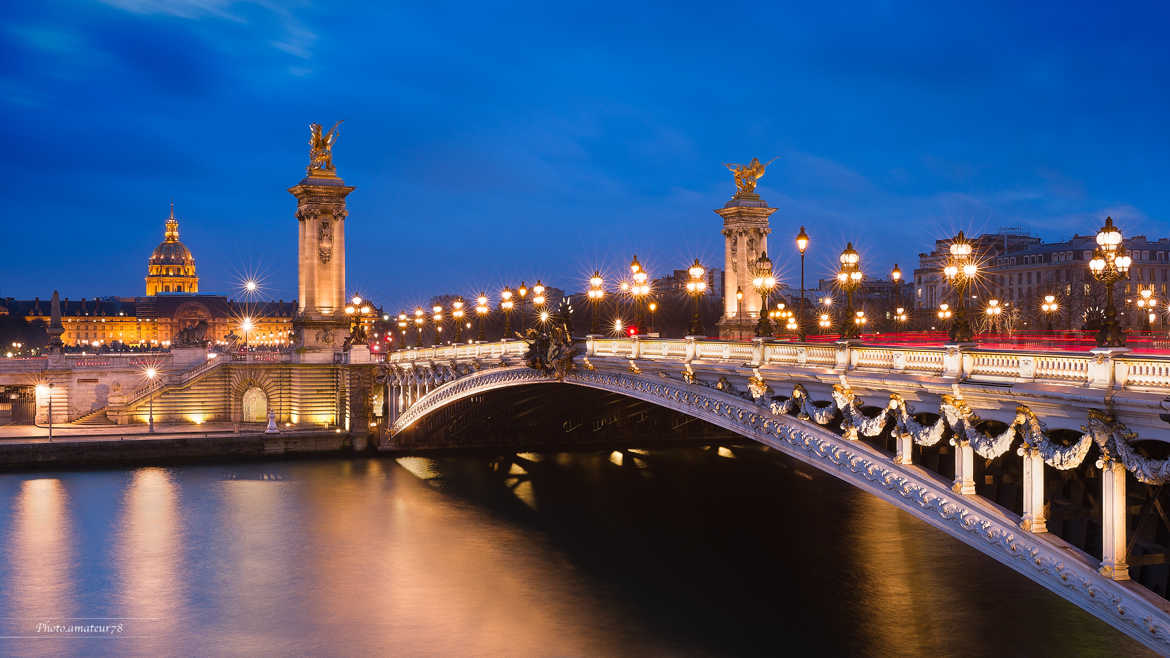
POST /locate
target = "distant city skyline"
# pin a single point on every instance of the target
(563, 140)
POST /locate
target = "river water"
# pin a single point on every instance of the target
(678, 551)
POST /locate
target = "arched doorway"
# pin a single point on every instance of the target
(255, 405)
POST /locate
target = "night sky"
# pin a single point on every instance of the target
(489, 145)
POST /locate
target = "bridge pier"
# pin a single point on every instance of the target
(1113, 544)
(903, 446)
(1033, 518)
(964, 467)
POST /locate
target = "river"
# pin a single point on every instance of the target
(674, 551)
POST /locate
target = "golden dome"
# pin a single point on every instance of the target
(171, 267)
(172, 253)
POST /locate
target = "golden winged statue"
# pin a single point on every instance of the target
(321, 147)
(747, 175)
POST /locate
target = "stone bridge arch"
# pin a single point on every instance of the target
(1047, 560)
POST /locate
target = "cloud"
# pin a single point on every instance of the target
(293, 37)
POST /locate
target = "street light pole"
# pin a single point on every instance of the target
(763, 281)
(695, 287)
(1110, 264)
(481, 311)
(151, 373)
(596, 293)
(849, 277)
(960, 271)
(801, 244)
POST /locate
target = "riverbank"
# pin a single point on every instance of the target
(109, 448)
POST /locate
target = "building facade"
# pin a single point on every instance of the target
(1020, 270)
(172, 303)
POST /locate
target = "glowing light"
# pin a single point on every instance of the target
(250, 285)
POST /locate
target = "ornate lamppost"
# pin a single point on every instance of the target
(801, 245)
(849, 278)
(402, 324)
(944, 312)
(895, 291)
(506, 304)
(900, 316)
(696, 286)
(437, 319)
(419, 320)
(1147, 303)
(457, 318)
(538, 299)
(481, 311)
(825, 323)
(639, 289)
(763, 282)
(1109, 265)
(960, 271)
(993, 312)
(522, 291)
(1049, 307)
(596, 293)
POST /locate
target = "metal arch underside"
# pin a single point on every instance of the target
(1044, 558)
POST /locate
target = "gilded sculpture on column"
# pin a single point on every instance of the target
(747, 175)
(321, 147)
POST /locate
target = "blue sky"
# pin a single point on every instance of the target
(492, 144)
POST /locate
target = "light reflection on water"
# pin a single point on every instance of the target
(681, 551)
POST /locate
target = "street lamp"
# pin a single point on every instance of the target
(596, 293)
(960, 271)
(150, 373)
(696, 286)
(1109, 265)
(506, 304)
(763, 281)
(481, 311)
(849, 278)
(1147, 303)
(246, 325)
(1050, 307)
(538, 296)
(801, 245)
(403, 323)
(437, 319)
(47, 390)
(825, 323)
(896, 288)
(522, 291)
(652, 306)
(993, 312)
(419, 320)
(900, 315)
(457, 318)
(639, 290)
(944, 312)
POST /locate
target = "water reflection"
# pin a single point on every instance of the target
(660, 552)
(41, 557)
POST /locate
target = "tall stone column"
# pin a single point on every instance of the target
(320, 326)
(745, 234)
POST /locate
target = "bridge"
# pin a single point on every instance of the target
(1051, 462)
(837, 407)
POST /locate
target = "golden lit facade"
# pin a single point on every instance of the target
(171, 267)
(172, 303)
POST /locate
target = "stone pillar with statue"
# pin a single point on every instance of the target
(745, 232)
(320, 326)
